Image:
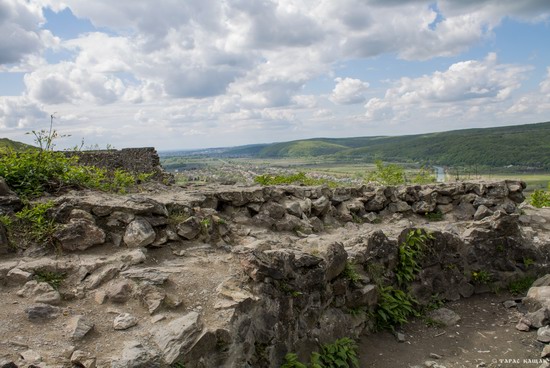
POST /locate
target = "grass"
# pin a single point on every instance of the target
(52, 278)
(521, 286)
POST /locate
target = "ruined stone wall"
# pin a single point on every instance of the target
(135, 160)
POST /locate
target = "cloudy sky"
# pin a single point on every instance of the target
(204, 73)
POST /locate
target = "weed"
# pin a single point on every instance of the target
(394, 307)
(521, 285)
(299, 178)
(540, 198)
(52, 278)
(436, 301)
(434, 216)
(33, 222)
(481, 277)
(177, 216)
(284, 287)
(351, 273)
(500, 248)
(528, 261)
(342, 354)
(410, 252)
(357, 311)
(424, 176)
(205, 225)
(389, 174)
(177, 365)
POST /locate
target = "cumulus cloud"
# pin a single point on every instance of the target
(19, 27)
(19, 112)
(348, 91)
(472, 82)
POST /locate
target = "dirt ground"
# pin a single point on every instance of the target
(484, 337)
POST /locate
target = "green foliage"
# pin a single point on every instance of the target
(521, 286)
(390, 174)
(291, 361)
(351, 273)
(340, 354)
(52, 278)
(434, 216)
(31, 173)
(430, 322)
(528, 261)
(33, 222)
(298, 179)
(481, 277)
(424, 176)
(394, 307)
(410, 251)
(540, 198)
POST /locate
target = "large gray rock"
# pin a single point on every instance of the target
(40, 311)
(336, 258)
(177, 337)
(189, 229)
(135, 355)
(79, 234)
(124, 321)
(78, 326)
(444, 316)
(139, 233)
(9, 201)
(120, 291)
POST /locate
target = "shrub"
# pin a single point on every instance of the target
(298, 178)
(342, 354)
(31, 173)
(389, 174)
(424, 176)
(394, 307)
(540, 198)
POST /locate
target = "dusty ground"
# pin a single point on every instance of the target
(485, 337)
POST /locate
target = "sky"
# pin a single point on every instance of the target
(190, 74)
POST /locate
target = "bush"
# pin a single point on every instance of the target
(298, 178)
(31, 173)
(540, 198)
(342, 353)
(389, 174)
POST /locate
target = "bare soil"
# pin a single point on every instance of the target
(484, 337)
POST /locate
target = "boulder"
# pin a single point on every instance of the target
(124, 321)
(139, 233)
(41, 311)
(79, 234)
(444, 316)
(176, 338)
(78, 326)
(136, 355)
(336, 258)
(190, 228)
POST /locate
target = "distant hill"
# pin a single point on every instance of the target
(519, 145)
(6, 144)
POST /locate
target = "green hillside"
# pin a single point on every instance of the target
(8, 144)
(306, 148)
(520, 145)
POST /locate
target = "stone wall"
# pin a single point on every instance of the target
(135, 160)
(270, 263)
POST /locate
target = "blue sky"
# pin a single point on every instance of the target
(205, 73)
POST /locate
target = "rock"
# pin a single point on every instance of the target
(4, 241)
(18, 276)
(538, 318)
(124, 321)
(83, 359)
(320, 206)
(482, 212)
(542, 281)
(31, 356)
(79, 234)
(151, 275)
(135, 355)
(336, 258)
(41, 311)
(189, 229)
(400, 337)
(104, 274)
(51, 297)
(293, 208)
(7, 364)
(177, 337)
(153, 297)
(9, 201)
(361, 297)
(139, 233)
(444, 316)
(510, 304)
(435, 356)
(120, 291)
(78, 326)
(543, 334)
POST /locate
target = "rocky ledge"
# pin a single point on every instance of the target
(238, 277)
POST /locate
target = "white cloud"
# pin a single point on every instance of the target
(468, 83)
(348, 91)
(21, 34)
(20, 113)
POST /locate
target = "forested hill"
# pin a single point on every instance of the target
(8, 144)
(519, 145)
